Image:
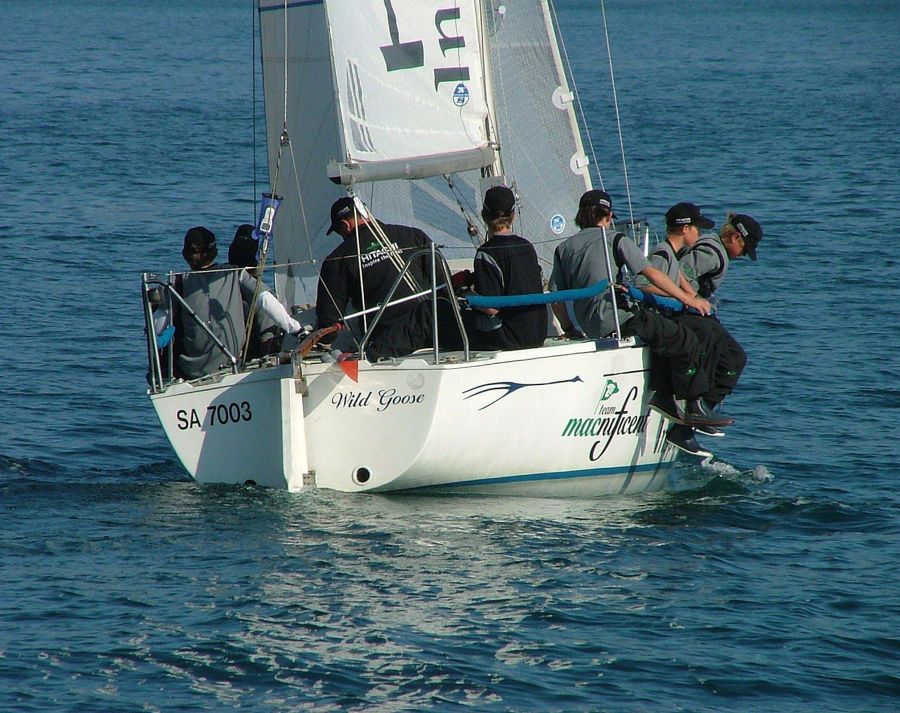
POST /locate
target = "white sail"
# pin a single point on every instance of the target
(540, 145)
(410, 88)
(299, 98)
(346, 111)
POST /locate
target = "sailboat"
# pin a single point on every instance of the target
(415, 108)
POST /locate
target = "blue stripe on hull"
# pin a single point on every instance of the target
(561, 475)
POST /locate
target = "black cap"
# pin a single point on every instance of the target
(242, 251)
(750, 231)
(499, 202)
(682, 214)
(199, 237)
(341, 209)
(597, 198)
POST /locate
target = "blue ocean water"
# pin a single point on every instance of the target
(126, 587)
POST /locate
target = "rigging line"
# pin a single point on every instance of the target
(362, 286)
(263, 257)
(293, 158)
(490, 55)
(285, 69)
(575, 92)
(472, 228)
(395, 256)
(253, 94)
(612, 79)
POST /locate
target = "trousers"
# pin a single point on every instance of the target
(676, 365)
(722, 357)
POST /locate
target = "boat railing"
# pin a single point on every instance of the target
(437, 261)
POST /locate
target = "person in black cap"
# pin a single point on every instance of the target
(683, 224)
(506, 264)
(216, 294)
(705, 263)
(580, 262)
(362, 270)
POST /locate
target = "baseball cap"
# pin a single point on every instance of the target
(598, 198)
(750, 231)
(499, 201)
(199, 238)
(342, 208)
(682, 214)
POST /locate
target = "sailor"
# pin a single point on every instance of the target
(682, 231)
(705, 264)
(506, 264)
(376, 252)
(580, 262)
(216, 294)
(265, 335)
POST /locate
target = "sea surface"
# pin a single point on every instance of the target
(124, 586)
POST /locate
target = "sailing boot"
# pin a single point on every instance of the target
(682, 437)
(697, 413)
(708, 430)
(664, 404)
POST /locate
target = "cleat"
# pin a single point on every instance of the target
(682, 437)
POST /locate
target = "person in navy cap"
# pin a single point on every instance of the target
(683, 224)
(506, 264)
(705, 264)
(362, 270)
(216, 295)
(580, 262)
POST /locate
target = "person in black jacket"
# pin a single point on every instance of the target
(361, 271)
(506, 265)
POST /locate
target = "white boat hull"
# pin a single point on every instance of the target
(565, 420)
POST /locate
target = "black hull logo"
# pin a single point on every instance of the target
(505, 388)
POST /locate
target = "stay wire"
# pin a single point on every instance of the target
(612, 78)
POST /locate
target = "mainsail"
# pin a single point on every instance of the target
(376, 92)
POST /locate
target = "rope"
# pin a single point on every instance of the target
(264, 250)
(537, 298)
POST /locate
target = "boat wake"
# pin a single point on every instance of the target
(724, 469)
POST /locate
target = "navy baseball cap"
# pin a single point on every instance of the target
(598, 198)
(750, 231)
(341, 209)
(682, 214)
(499, 202)
(199, 238)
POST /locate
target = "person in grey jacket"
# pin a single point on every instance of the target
(216, 294)
(579, 262)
